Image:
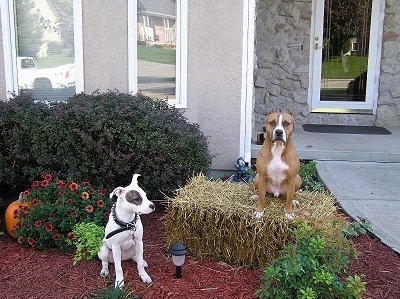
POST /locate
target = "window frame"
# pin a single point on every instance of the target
(180, 100)
(10, 50)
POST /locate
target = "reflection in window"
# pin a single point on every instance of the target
(45, 48)
(156, 48)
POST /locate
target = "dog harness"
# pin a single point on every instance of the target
(124, 226)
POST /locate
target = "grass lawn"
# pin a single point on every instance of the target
(160, 55)
(334, 68)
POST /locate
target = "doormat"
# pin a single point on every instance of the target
(340, 129)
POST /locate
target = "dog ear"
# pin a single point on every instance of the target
(117, 191)
(134, 182)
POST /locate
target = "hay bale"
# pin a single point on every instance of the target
(215, 219)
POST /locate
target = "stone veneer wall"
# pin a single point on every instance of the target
(388, 110)
(281, 76)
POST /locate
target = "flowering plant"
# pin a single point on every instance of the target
(56, 207)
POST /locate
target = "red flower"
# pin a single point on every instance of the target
(73, 214)
(59, 202)
(69, 201)
(47, 177)
(73, 186)
(61, 192)
(49, 227)
(84, 195)
(44, 183)
(35, 202)
(103, 191)
(89, 209)
(100, 203)
(26, 193)
(71, 236)
(52, 215)
(32, 242)
(91, 191)
(20, 240)
(38, 223)
(35, 184)
(56, 237)
(60, 184)
(106, 215)
(85, 184)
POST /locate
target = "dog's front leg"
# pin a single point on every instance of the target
(119, 275)
(262, 192)
(289, 199)
(140, 262)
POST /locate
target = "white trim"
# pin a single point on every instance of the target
(78, 47)
(10, 55)
(132, 46)
(246, 102)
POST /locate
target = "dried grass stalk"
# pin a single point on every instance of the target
(215, 219)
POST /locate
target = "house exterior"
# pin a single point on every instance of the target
(234, 61)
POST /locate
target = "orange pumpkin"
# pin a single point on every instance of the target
(12, 219)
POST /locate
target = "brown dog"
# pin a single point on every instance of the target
(277, 164)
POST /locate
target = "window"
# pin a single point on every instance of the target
(157, 49)
(40, 41)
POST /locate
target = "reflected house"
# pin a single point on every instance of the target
(156, 23)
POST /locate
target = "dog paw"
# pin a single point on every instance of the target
(254, 197)
(295, 203)
(146, 278)
(289, 216)
(258, 215)
(145, 264)
(104, 272)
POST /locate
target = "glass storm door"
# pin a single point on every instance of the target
(345, 55)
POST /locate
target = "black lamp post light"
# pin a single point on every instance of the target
(178, 251)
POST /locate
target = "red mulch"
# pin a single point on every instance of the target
(26, 273)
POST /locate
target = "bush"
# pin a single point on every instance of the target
(311, 267)
(88, 240)
(56, 207)
(309, 175)
(104, 138)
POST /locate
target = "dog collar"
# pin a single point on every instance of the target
(124, 226)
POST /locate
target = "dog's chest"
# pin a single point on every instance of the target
(276, 169)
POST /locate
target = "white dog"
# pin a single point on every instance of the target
(124, 231)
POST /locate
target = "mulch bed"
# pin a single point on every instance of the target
(27, 273)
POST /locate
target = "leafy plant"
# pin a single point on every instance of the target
(111, 292)
(309, 176)
(355, 228)
(56, 207)
(311, 267)
(104, 138)
(88, 240)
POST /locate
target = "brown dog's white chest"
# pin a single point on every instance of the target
(276, 171)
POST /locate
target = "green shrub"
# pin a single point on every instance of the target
(311, 267)
(88, 240)
(309, 176)
(104, 138)
(56, 207)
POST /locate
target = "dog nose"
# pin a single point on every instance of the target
(152, 206)
(279, 133)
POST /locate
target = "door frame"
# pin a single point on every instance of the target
(374, 60)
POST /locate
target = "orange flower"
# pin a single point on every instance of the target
(44, 183)
(20, 240)
(89, 209)
(73, 186)
(71, 236)
(84, 195)
(49, 227)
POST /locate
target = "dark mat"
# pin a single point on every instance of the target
(339, 129)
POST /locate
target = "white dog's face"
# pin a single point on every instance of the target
(133, 198)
